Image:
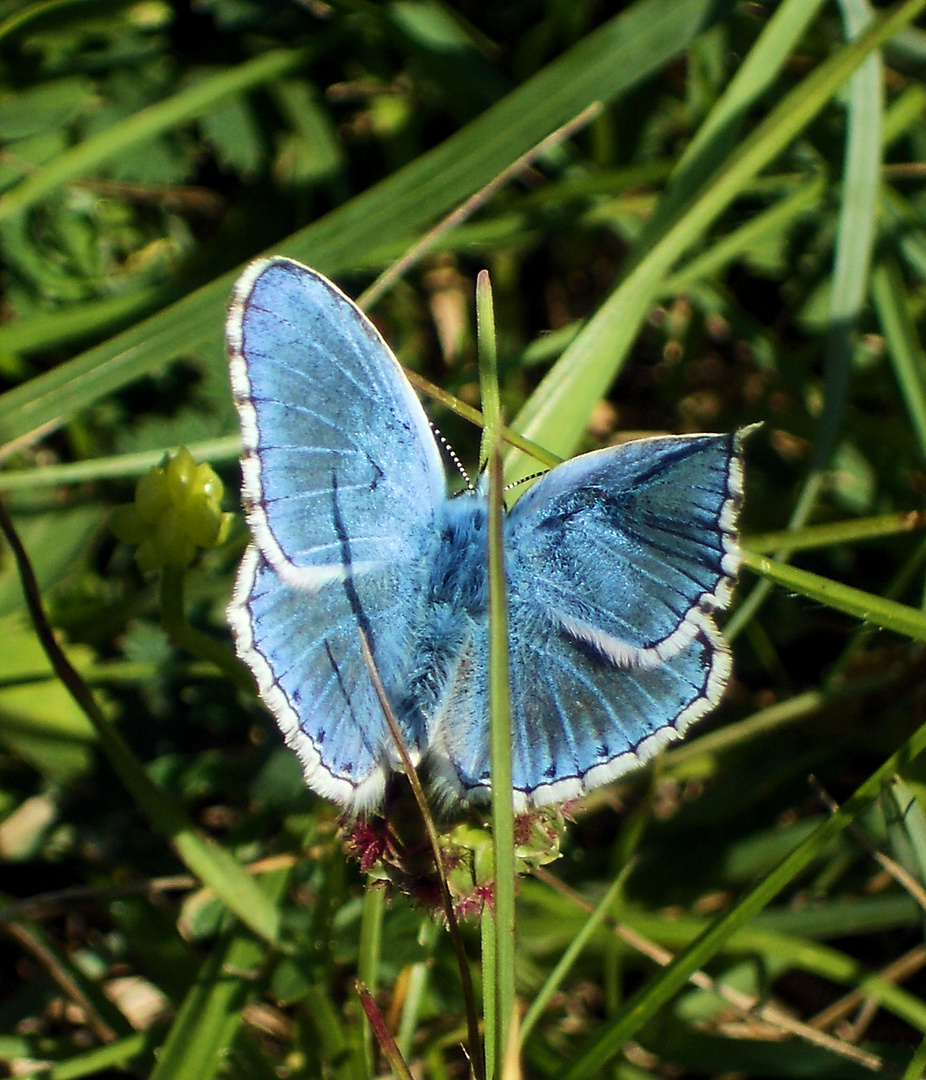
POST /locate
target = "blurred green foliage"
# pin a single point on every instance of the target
(737, 234)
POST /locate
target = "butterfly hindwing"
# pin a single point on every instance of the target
(304, 649)
(615, 562)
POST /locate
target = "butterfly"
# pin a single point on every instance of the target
(616, 562)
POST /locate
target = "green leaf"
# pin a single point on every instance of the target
(40, 108)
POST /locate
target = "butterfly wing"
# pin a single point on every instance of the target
(340, 467)
(627, 544)
(341, 481)
(615, 561)
(303, 647)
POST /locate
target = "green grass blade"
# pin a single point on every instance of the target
(784, 951)
(36, 333)
(905, 349)
(906, 826)
(564, 964)
(35, 11)
(211, 1014)
(837, 532)
(717, 136)
(917, 1066)
(371, 939)
(488, 370)
(779, 217)
(117, 467)
(500, 733)
(854, 244)
(887, 614)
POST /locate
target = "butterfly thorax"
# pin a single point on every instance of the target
(458, 556)
(455, 605)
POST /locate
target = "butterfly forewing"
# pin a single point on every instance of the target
(617, 547)
(341, 471)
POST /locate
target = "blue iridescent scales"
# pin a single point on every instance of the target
(616, 562)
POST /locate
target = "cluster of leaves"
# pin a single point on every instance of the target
(735, 232)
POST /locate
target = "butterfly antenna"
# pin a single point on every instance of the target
(524, 480)
(452, 454)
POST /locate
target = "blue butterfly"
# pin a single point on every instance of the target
(615, 560)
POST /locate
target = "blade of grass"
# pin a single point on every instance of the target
(917, 1066)
(838, 532)
(906, 824)
(416, 997)
(145, 125)
(89, 319)
(488, 370)
(854, 242)
(854, 245)
(204, 1028)
(499, 702)
(887, 614)
(789, 952)
(779, 216)
(889, 294)
(102, 1017)
(34, 11)
(371, 937)
(578, 943)
(117, 467)
(717, 136)
(119, 1056)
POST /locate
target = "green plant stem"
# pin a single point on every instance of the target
(193, 641)
(371, 936)
(914, 1071)
(837, 532)
(453, 927)
(500, 747)
(867, 606)
(488, 368)
(383, 1035)
(555, 979)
